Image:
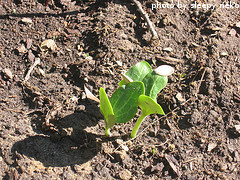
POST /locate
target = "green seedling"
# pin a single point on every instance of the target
(153, 151)
(139, 87)
(107, 111)
(14, 11)
(122, 106)
(183, 75)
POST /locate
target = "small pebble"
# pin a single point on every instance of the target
(119, 63)
(180, 97)
(27, 20)
(211, 146)
(125, 174)
(223, 54)
(7, 72)
(237, 127)
(238, 25)
(223, 166)
(168, 49)
(119, 141)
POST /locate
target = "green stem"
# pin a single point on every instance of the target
(107, 131)
(137, 125)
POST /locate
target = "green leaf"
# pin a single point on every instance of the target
(124, 101)
(106, 109)
(182, 75)
(137, 72)
(154, 83)
(149, 106)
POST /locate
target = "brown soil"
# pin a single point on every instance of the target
(50, 130)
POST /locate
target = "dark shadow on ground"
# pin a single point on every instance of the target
(39, 14)
(67, 144)
(92, 7)
(57, 154)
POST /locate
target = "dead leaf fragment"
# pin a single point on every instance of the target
(22, 49)
(216, 28)
(49, 44)
(211, 146)
(237, 127)
(90, 95)
(237, 24)
(180, 97)
(29, 43)
(174, 164)
(7, 72)
(85, 168)
(42, 72)
(168, 60)
(168, 49)
(27, 20)
(119, 63)
(195, 44)
(223, 54)
(232, 32)
(125, 174)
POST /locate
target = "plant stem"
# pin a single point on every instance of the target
(107, 131)
(137, 125)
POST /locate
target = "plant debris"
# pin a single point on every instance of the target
(49, 44)
(27, 20)
(174, 164)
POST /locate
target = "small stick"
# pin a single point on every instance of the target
(199, 85)
(37, 61)
(159, 145)
(146, 18)
(169, 60)
(190, 160)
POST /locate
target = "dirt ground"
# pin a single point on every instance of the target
(49, 129)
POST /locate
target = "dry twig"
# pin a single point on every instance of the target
(199, 85)
(146, 18)
(37, 61)
(169, 60)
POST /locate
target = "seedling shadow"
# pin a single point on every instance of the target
(56, 154)
(71, 142)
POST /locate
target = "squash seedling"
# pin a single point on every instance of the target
(139, 87)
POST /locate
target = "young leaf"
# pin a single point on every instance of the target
(148, 106)
(106, 110)
(154, 84)
(124, 101)
(90, 95)
(137, 72)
